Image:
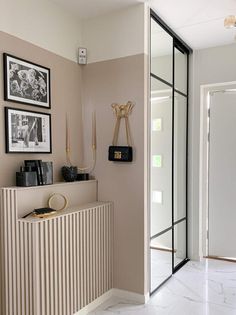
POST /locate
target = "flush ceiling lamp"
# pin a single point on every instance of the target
(230, 21)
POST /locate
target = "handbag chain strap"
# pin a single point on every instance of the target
(122, 111)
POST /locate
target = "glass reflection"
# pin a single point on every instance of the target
(180, 71)
(180, 130)
(161, 157)
(161, 259)
(161, 53)
(180, 242)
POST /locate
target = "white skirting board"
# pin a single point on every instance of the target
(114, 293)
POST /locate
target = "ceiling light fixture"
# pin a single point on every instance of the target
(230, 21)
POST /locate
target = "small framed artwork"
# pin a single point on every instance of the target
(27, 131)
(26, 82)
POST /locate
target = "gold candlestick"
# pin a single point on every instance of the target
(94, 144)
(94, 140)
(67, 135)
(67, 140)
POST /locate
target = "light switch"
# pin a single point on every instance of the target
(82, 56)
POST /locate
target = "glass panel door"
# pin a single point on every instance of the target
(161, 162)
(168, 152)
(181, 61)
(180, 157)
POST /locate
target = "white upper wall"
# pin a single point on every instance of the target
(43, 23)
(115, 35)
(48, 25)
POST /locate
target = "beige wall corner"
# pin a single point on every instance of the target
(104, 83)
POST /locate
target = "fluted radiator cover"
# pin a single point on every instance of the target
(54, 266)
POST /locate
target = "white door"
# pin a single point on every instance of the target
(222, 175)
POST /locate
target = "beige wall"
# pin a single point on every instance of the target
(65, 96)
(101, 83)
(104, 83)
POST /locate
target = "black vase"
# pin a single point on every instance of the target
(69, 173)
(82, 176)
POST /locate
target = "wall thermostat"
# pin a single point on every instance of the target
(82, 56)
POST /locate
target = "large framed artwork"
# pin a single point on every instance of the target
(27, 131)
(26, 82)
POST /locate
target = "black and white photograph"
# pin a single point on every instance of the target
(27, 131)
(26, 82)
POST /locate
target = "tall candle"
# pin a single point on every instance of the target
(67, 135)
(94, 142)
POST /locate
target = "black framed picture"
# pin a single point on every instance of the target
(26, 82)
(27, 131)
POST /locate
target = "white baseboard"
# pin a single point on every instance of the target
(93, 305)
(135, 297)
(195, 257)
(114, 293)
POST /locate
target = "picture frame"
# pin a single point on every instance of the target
(27, 131)
(26, 82)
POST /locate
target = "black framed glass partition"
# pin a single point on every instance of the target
(169, 59)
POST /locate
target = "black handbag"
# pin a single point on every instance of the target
(121, 153)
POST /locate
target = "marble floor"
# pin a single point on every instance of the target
(199, 288)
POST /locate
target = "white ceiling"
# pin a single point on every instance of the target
(198, 22)
(85, 9)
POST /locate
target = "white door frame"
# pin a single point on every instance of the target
(205, 91)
